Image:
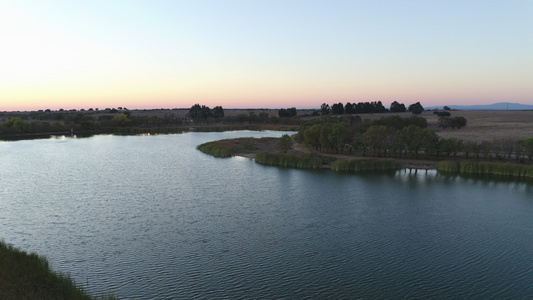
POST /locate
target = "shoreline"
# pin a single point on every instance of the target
(301, 157)
(409, 164)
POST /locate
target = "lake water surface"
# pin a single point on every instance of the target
(147, 217)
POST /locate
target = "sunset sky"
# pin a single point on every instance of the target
(263, 54)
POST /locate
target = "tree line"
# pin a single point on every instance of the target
(368, 108)
(104, 121)
(394, 136)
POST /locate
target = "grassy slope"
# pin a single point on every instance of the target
(28, 276)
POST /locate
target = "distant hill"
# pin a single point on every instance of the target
(495, 106)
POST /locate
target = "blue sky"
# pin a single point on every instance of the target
(141, 54)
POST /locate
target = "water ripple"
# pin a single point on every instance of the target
(152, 218)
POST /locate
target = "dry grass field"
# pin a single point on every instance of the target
(488, 125)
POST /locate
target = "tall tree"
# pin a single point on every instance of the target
(416, 108)
(527, 145)
(218, 112)
(337, 108)
(324, 109)
(349, 108)
(196, 111)
(287, 113)
(397, 107)
(285, 143)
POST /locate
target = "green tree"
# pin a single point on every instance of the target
(414, 138)
(195, 112)
(337, 108)
(285, 142)
(378, 138)
(416, 108)
(312, 136)
(527, 145)
(451, 145)
(349, 108)
(121, 120)
(326, 141)
(471, 147)
(218, 112)
(430, 141)
(14, 125)
(397, 107)
(324, 109)
(287, 112)
(342, 135)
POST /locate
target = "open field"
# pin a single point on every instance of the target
(488, 125)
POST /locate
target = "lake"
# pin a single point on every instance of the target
(147, 217)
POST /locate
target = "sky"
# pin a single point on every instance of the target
(263, 54)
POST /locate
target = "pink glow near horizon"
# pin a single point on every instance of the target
(255, 54)
(231, 105)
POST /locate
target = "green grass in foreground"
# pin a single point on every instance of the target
(359, 165)
(287, 160)
(28, 276)
(486, 168)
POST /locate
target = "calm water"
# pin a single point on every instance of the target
(148, 217)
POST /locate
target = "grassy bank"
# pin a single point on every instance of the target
(361, 165)
(222, 148)
(486, 168)
(28, 276)
(230, 147)
(288, 160)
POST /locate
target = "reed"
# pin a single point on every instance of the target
(450, 166)
(487, 168)
(361, 165)
(288, 160)
(28, 276)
